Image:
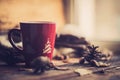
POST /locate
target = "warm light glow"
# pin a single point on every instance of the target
(98, 19)
(107, 27)
(86, 17)
(14, 11)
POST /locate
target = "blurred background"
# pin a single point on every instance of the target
(92, 19)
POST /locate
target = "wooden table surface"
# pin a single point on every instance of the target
(14, 73)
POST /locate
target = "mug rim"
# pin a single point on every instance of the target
(37, 22)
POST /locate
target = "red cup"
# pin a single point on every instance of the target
(37, 38)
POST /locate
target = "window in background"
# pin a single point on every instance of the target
(107, 23)
(95, 19)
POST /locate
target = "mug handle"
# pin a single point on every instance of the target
(11, 40)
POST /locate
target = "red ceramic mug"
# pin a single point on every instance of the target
(37, 38)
